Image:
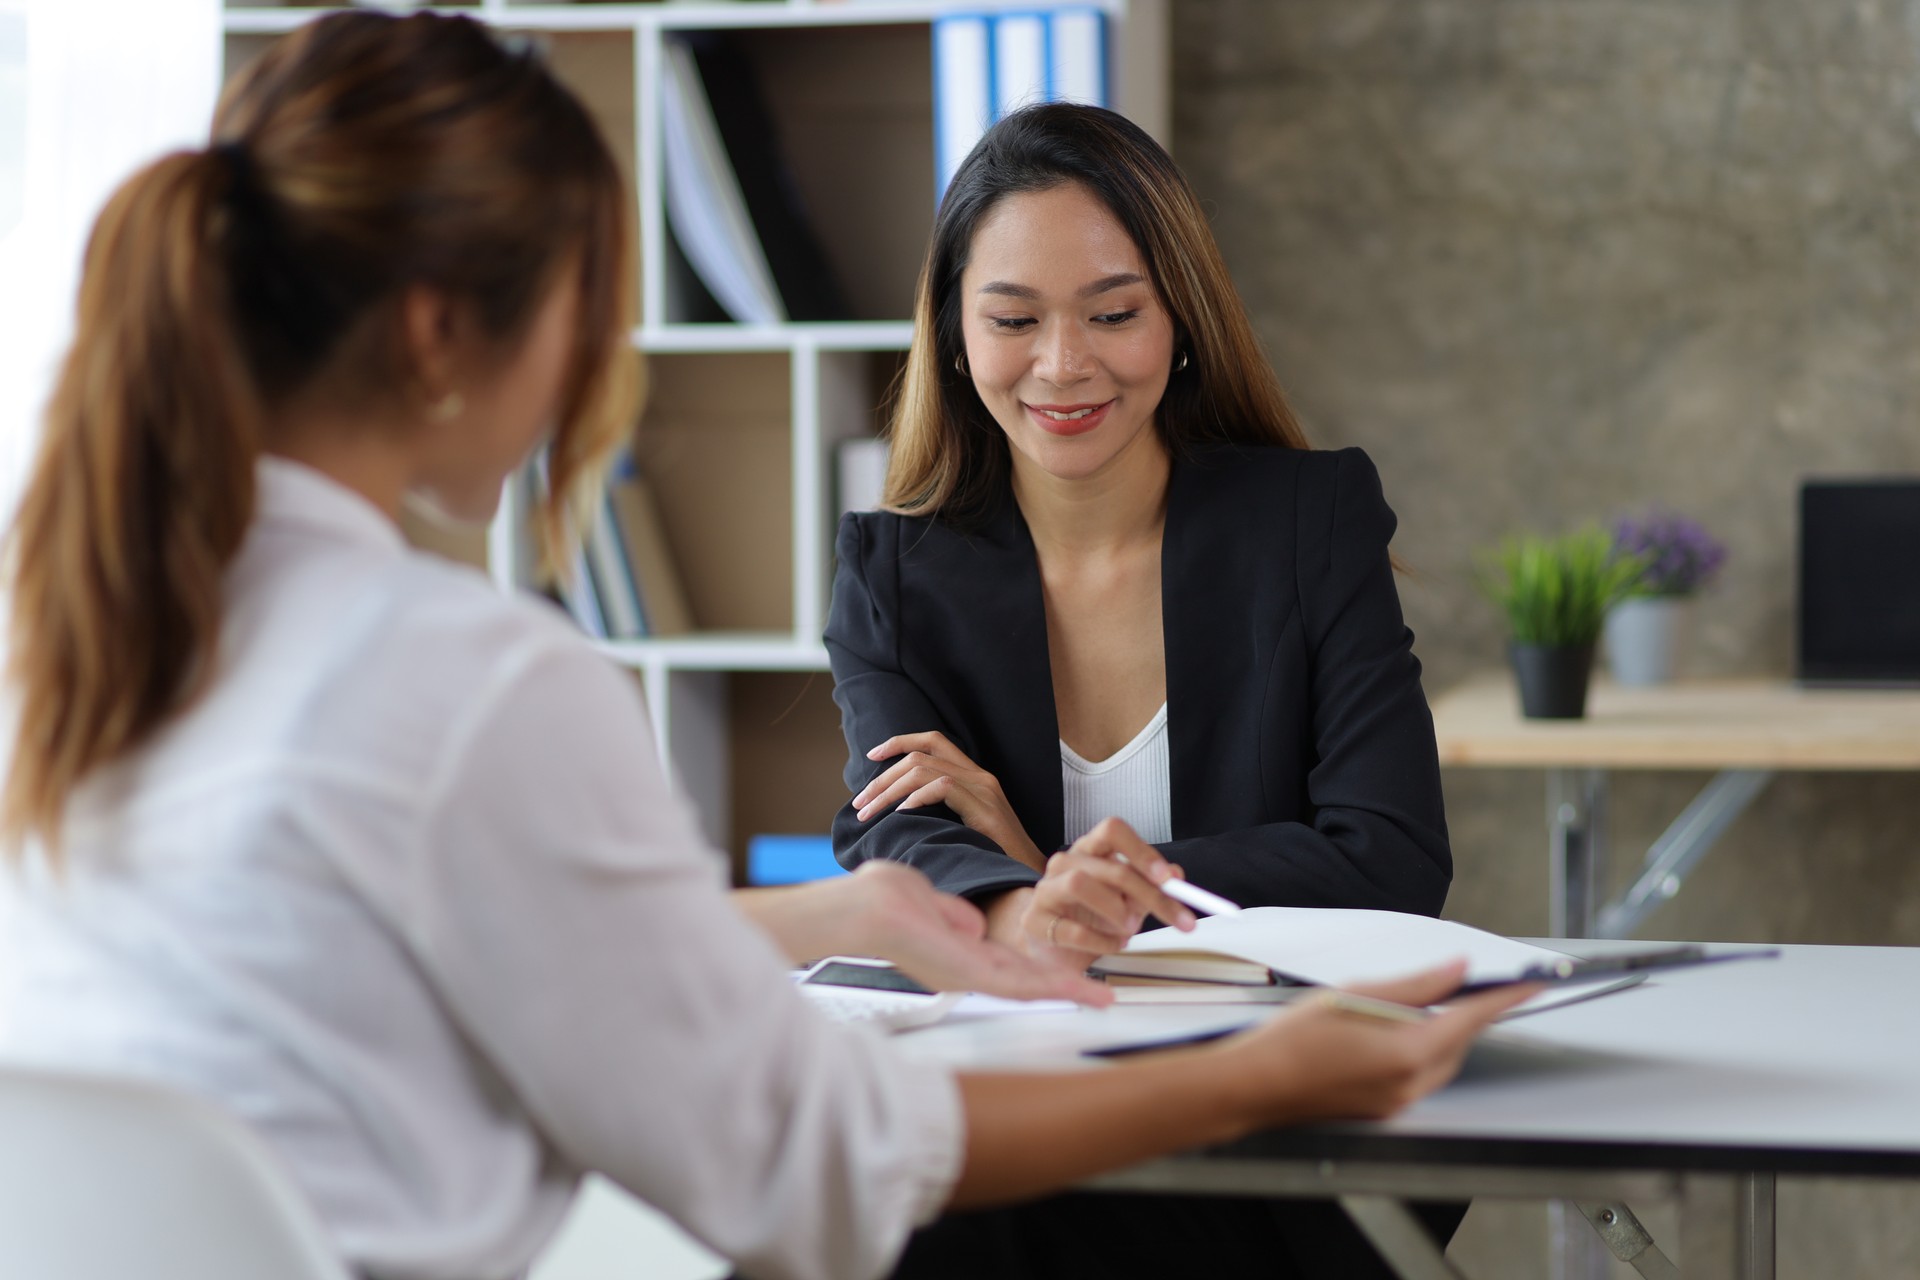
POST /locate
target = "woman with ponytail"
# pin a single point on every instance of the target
(338, 836)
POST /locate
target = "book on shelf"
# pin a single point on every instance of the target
(655, 577)
(620, 581)
(987, 65)
(1286, 947)
(614, 582)
(577, 596)
(572, 585)
(733, 207)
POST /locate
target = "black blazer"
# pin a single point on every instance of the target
(1303, 765)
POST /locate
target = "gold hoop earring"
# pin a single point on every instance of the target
(447, 407)
(1180, 365)
(960, 365)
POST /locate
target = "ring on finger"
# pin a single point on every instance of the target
(1051, 926)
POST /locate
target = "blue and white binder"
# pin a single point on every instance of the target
(986, 65)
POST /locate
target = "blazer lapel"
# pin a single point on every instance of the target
(998, 601)
(1029, 689)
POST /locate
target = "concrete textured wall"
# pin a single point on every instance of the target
(1552, 259)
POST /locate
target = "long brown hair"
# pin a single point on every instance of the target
(357, 157)
(948, 454)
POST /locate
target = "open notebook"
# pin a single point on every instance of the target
(1324, 946)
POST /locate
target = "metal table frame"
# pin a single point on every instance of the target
(1727, 1217)
(1577, 867)
(1724, 1191)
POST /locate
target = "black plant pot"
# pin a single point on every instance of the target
(1553, 679)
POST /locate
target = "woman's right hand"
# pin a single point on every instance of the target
(1095, 895)
(1317, 1061)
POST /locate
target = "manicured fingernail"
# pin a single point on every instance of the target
(862, 815)
(908, 804)
(874, 754)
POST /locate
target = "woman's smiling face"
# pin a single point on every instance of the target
(1067, 342)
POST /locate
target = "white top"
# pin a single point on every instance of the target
(408, 892)
(1133, 784)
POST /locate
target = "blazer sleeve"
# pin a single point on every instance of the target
(878, 700)
(1377, 836)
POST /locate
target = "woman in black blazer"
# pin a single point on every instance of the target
(1300, 754)
(1303, 770)
(1100, 507)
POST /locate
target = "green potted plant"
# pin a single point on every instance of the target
(1556, 593)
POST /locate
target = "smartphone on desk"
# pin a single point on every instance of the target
(858, 989)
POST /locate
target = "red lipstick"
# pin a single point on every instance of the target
(1068, 419)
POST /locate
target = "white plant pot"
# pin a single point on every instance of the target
(1647, 638)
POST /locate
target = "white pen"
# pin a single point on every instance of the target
(1193, 895)
(1199, 899)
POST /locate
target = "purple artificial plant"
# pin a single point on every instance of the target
(1681, 555)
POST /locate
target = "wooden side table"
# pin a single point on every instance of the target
(1744, 730)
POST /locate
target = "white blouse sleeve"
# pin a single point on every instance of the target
(573, 918)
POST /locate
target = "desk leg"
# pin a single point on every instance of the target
(1577, 826)
(1753, 1221)
(1679, 849)
(1399, 1238)
(1575, 1251)
(1727, 1226)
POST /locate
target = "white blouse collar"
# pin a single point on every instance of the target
(289, 492)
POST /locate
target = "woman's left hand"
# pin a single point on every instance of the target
(931, 770)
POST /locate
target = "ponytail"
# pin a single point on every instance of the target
(362, 155)
(140, 495)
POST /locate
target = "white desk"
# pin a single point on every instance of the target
(1698, 1086)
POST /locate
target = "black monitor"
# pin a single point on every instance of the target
(1860, 581)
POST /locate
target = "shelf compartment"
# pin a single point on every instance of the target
(716, 447)
(839, 96)
(754, 752)
(853, 394)
(598, 66)
(787, 757)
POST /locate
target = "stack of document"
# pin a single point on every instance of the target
(1272, 949)
(705, 207)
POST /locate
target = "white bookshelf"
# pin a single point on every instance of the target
(739, 434)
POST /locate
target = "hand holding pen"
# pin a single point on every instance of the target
(1096, 894)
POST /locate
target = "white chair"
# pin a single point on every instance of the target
(105, 1179)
